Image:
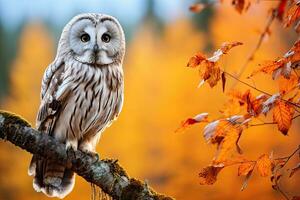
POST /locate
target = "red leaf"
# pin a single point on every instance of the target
(208, 175)
(190, 121)
(293, 14)
(280, 9)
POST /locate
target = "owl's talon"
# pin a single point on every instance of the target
(96, 158)
(94, 155)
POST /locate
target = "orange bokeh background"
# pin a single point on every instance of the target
(160, 92)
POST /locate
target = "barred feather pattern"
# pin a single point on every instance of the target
(94, 97)
(81, 94)
(90, 98)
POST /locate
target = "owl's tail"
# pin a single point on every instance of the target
(52, 179)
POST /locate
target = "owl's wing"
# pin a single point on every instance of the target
(50, 105)
(48, 75)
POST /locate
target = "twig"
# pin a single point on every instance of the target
(261, 38)
(283, 193)
(288, 157)
(107, 174)
(267, 123)
(259, 90)
(276, 180)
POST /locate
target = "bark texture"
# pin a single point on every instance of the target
(107, 173)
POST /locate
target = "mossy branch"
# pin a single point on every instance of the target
(107, 174)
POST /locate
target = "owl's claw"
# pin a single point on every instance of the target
(71, 147)
(88, 149)
(94, 155)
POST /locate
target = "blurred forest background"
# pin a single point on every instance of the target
(159, 91)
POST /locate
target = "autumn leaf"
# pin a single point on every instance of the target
(226, 46)
(269, 103)
(254, 104)
(268, 67)
(294, 170)
(191, 121)
(245, 168)
(281, 9)
(228, 145)
(282, 115)
(293, 14)
(208, 175)
(264, 165)
(225, 134)
(196, 60)
(293, 55)
(231, 107)
(287, 84)
(197, 7)
(212, 75)
(209, 69)
(241, 5)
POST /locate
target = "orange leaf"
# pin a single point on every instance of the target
(245, 168)
(197, 8)
(241, 5)
(214, 75)
(286, 85)
(196, 60)
(226, 46)
(293, 55)
(268, 67)
(254, 104)
(225, 134)
(282, 115)
(190, 121)
(208, 175)
(208, 67)
(264, 165)
(293, 14)
(231, 107)
(228, 146)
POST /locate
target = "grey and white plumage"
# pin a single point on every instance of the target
(81, 94)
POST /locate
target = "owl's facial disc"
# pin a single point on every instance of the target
(95, 43)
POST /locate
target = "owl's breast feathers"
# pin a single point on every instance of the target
(88, 99)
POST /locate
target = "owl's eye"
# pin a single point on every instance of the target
(105, 38)
(85, 37)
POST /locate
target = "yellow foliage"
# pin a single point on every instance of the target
(159, 93)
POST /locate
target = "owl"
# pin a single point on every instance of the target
(81, 94)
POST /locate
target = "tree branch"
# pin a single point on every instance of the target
(107, 173)
(259, 43)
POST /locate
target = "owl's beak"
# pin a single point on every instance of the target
(96, 48)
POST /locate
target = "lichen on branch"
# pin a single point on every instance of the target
(106, 173)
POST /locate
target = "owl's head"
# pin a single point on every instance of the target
(94, 39)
